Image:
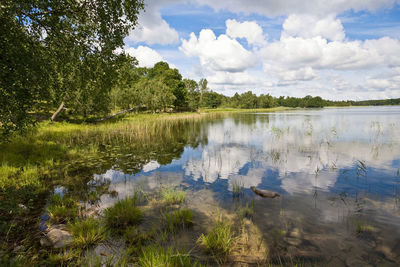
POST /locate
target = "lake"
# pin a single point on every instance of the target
(336, 169)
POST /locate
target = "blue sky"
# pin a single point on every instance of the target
(336, 49)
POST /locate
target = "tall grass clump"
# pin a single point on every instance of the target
(248, 210)
(153, 256)
(173, 196)
(237, 188)
(62, 209)
(178, 219)
(220, 241)
(87, 232)
(123, 214)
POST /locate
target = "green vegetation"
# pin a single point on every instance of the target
(248, 210)
(62, 209)
(237, 188)
(134, 236)
(173, 196)
(87, 232)
(57, 52)
(178, 219)
(153, 256)
(220, 240)
(122, 215)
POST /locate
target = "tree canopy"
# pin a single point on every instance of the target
(60, 50)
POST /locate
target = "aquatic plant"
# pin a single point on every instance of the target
(220, 240)
(123, 214)
(361, 168)
(133, 235)
(173, 196)
(248, 210)
(237, 188)
(153, 256)
(178, 219)
(360, 228)
(87, 232)
(62, 209)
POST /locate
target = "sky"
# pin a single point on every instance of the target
(337, 49)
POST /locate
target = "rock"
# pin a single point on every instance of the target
(335, 262)
(396, 250)
(355, 261)
(19, 248)
(22, 207)
(264, 193)
(44, 242)
(296, 233)
(57, 237)
(386, 251)
(293, 241)
(92, 213)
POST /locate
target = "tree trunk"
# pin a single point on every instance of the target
(119, 113)
(60, 108)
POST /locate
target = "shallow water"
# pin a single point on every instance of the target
(337, 170)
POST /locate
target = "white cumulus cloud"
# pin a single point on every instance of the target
(247, 29)
(146, 56)
(152, 28)
(218, 54)
(272, 8)
(307, 26)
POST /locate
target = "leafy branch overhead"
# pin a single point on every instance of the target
(62, 50)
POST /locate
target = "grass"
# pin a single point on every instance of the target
(178, 219)
(67, 154)
(172, 196)
(123, 214)
(87, 232)
(220, 240)
(237, 188)
(62, 209)
(217, 110)
(153, 256)
(248, 210)
(134, 236)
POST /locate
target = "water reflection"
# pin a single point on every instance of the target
(336, 168)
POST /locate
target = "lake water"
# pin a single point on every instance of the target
(337, 170)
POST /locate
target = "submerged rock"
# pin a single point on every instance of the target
(57, 237)
(296, 233)
(264, 193)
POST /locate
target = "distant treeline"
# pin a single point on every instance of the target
(161, 88)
